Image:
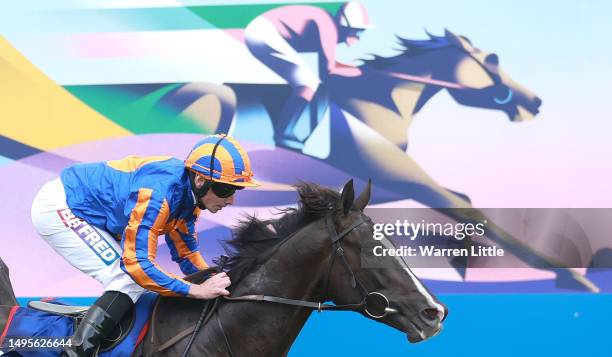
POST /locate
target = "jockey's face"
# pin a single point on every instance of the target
(212, 202)
(215, 203)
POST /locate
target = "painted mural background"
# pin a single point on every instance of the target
(86, 81)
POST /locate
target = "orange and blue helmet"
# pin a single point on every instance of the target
(220, 158)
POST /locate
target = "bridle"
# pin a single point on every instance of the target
(337, 252)
(336, 241)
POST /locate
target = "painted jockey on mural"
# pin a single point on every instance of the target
(105, 219)
(277, 37)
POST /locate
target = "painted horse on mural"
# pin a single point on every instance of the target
(315, 250)
(356, 126)
(367, 119)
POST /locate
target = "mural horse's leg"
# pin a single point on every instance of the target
(260, 112)
(211, 106)
(519, 248)
(360, 151)
(287, 133)
(357, 149)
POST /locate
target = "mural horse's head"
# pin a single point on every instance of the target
(486, 85)
(471, 76)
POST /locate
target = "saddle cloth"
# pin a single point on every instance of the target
(24, 322)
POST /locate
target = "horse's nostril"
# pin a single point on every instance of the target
(431, 314)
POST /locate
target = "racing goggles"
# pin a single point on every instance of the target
(224, 190)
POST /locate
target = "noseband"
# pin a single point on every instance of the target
(336, 240)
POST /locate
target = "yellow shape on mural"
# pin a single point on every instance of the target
(40, 113)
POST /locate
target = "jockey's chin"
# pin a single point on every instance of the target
(214, 208)
(351, 40)
(214, 203)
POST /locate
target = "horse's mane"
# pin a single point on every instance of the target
(410, 48)
(252, 238)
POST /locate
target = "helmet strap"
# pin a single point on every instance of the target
(199, 192)
(348, 24)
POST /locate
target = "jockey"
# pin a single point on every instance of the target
(277, 36)
(105, 219)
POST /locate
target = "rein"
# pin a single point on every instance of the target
(426, 80)
(204, 317)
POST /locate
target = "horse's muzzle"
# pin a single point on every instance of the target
(427, 324)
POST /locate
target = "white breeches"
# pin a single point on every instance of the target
(90, 249)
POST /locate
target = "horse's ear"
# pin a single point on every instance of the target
(362, 201)
(452, 38)
(458, 41)
(348, 196)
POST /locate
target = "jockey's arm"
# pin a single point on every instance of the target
(328, 37)
(183, 244)
(148, 213)
(328, 34)
(346, 70)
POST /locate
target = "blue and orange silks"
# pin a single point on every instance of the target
(139, 199)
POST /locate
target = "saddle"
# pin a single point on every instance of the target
(76, 313)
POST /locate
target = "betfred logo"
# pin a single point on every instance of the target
(69, 219)
(90, 236)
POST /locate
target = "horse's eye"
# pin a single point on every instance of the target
(492, 59)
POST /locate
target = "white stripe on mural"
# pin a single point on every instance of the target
(146, 57)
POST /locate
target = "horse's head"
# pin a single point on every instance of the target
(472, 77)
(393, 295)
(319, 247)
(485, 85)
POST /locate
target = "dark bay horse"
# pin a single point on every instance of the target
(310, 254)
(7, 296)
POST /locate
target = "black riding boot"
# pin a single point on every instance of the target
(98, 323)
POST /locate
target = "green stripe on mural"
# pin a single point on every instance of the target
(140, 109)
(166, 18)
(238, 16)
